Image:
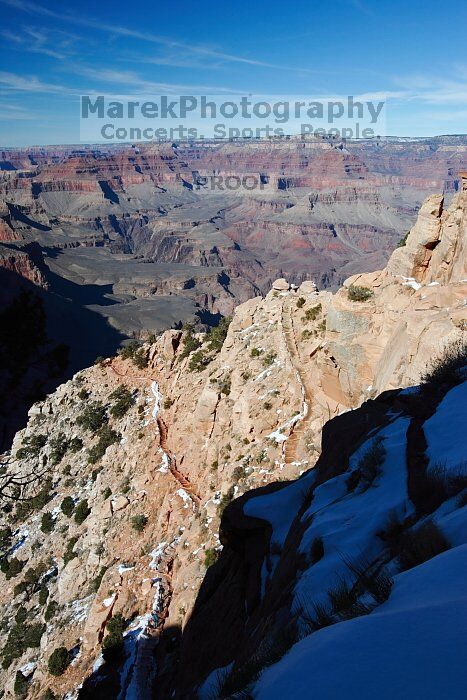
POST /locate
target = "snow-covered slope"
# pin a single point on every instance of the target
(363, 582)
(412, 646)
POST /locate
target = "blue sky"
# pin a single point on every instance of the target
(413, 52)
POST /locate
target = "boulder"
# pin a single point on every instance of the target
(119, 503)
(281, 285)
(308, 287)
(412, 259)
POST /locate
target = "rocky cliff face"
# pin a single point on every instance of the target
(127, 470)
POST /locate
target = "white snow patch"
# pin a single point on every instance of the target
(265, 373)
(28, 668)
(347, 522)
(412, 646)
(98, 663)
(164, 468)
(187, 500)
(123, 568)
(80, 609)
(157, 399)
(445, 430)
(277, 436)
(411, 282)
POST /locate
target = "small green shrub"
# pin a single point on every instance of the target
(134, 352)
(446, 370)
(267, 405)
(31, 446)
(51, 610)
(210, 557)
(11, 567)
(123, 400)
(269, 359)
(168, 403)
(125, 485)
(96, 582)
(356, 293)
(43, 496)
(5, 538)
(225, 500)
(21, 685)
(107, 437)
(107, 492)
(198, 361)
(21, 587)
(139, 522)
(76, 444)
(112, 646)
(419, 545)
(403, 241)
(49, 695)
(32, 635)
(301, 302)
(47, 523)
(140, 359)
(69, 554)
(190, 342)
(83, 394)
(21, 637)
(312, 314)
(256, 352)
(127, 351)
(225, 385)
(67, 506)
(43, 594)
(93, 417)
(82, 511)
(21, 615)
(58, 448)
(59, 661)
(216, 336)
(369, 467)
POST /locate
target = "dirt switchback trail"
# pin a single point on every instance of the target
(163, 434)
(184, 482)
(291, 452)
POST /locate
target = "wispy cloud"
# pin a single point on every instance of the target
(117, 30)
(434, 90)
(31, 41)
(134, 85)
(137, 84)
(358, 5)
(22, 83)
(10, 111)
